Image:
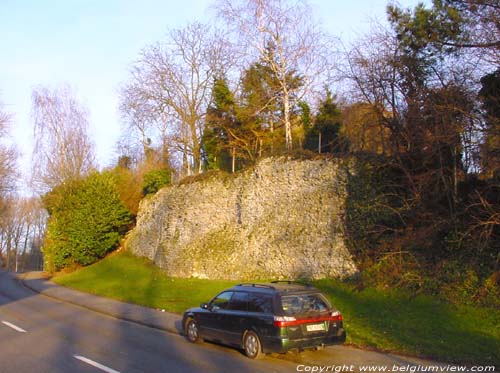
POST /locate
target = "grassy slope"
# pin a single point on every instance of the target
(125, 277)
(422, 326)
(384, 320)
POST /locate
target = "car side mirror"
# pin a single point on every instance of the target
(206, 306)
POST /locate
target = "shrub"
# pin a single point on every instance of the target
(87, 220)
(154, 180)
(129, 187)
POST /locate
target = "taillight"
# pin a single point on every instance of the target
(282, 321)
(336, 316)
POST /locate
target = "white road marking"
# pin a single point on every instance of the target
(95, 364)
(16, 328)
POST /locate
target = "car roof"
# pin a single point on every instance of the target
(281, 287)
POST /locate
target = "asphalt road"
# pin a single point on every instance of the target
(40, 334)
(56, 329)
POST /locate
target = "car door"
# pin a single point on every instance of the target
(235, 320)
(260, 314)
(211, 322)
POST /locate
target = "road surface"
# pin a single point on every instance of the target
(40, 334)
(56, 329)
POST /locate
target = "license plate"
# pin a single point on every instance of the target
(315, 327)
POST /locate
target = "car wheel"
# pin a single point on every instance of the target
(251, 345)
(192, 333)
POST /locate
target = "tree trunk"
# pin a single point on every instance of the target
(288, 124)
(233, 166)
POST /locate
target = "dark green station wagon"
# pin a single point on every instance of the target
(264, 318)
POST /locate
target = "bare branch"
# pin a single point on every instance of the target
(63, 150)
(299, 46)
(170, 87)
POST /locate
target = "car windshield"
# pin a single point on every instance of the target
(303, 304)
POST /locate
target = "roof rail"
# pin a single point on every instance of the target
(257, 285)
(291, 282)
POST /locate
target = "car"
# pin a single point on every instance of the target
(265, 318)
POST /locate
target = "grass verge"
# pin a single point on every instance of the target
(128, 278)
(383, 320)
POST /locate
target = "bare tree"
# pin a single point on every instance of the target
(137, 113)
(21, 233)
(372, 74)
(169, 90)
(8, 159)
(63, 148)
(298, 45)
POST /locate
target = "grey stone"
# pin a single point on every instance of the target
(282, 219)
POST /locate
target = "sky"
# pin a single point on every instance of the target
(91, 45)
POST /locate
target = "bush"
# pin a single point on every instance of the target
(87, 220)
(374, 208)
(154, 180)
(129, 187)
(461, 283)
(402, 240)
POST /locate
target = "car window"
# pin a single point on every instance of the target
(239, 301)
(221, 301)
(301, 304)
(260, 303)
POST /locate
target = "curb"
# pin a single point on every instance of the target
(148, 317)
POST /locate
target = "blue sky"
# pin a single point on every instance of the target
(90, 45)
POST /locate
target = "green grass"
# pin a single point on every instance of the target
(420, 326)
(383, 320)
(136, 280)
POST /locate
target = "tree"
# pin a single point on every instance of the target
(451, 25)
(22, 232)
(170, 86)
(440, 117)
(137, 116)
(220, 129)
(87, 220)
(8, 158)
(456, 33)
(155, 180)
(466, 32)
(63, 148)
(363, 130)
(284, 37)
(8, 173)
(325, 136)
(490, 96)
(415, 86)
(261, 107)
(424, 101)
(372, 73)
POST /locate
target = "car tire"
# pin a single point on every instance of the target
(192, 332)
(252, 345)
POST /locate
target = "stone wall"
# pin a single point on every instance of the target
(282, 219)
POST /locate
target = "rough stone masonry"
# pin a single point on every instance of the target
(283, 219)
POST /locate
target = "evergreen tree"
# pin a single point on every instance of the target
(325, 136)
(87, 220)
(220, 137)
(262, 108)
